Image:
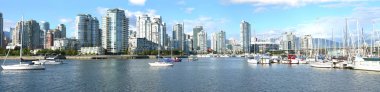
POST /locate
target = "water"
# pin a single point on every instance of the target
(204, 75)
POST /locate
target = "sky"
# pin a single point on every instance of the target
(268, 18)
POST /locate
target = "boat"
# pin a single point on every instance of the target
(193, 58)
(252, 60)
(20, 66)
(50, 60)
(47, 61)
(322, 65)
(160, 63)
(366, 64)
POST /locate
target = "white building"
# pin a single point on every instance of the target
(65, 43)
(115, 31)
(92, 50)
(202, 42)
(288, 41)
(143, 27)
(245, 36)
(307, 42)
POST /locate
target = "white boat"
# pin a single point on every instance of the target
(252, 61)
(294, 61)
(362, 64)
(322, 65)
(23, 67)
(20, 66)
(193, 57)
(301, 61)
(47, 61)
(160, 64)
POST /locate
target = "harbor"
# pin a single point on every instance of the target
(222, 74)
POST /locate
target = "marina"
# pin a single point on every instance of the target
(206, 74)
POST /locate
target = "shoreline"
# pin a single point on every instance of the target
(93, 57)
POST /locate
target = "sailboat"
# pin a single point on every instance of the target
(160, 62)
(20, 66)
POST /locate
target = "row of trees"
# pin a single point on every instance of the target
(69, 52)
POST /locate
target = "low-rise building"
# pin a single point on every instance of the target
(92, 50)
(137, 45)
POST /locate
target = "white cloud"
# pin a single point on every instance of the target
(209, 24)
(260, 9)
(286, 3)
(138, 2)
(181, 2)
(323, 26)
(189, 10)
(65, 20)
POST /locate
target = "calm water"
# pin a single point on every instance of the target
(205, 75)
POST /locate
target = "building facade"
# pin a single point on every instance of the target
(178, 37)
(196, 30)
(31, 34)
(288, 41)
(2, 43)
(115, 31)
(45, 27)
(202, 42)
(89, 34)
(138, 45)
(245, 36)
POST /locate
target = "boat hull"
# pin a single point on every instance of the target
(321, 65)
(160, 64)
(22, 67)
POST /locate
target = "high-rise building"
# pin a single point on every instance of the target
(157, 30)
(202, 42)
(178, 36)
(143, 27)
(288, 41)
(49, 40)
(245, 36)
(45, 26)
(89, 34)
(115, 31)
(214, 41)
(62, 29)
(196, 30)
(31, 34)
(221, 42)
(2, 43)
(218, 42)
(307, 42)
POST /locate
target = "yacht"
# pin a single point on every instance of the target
(193, 58)
(366, 64)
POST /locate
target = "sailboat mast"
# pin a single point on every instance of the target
(22, 31)
(373, 35)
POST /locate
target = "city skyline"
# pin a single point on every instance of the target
(214, 15)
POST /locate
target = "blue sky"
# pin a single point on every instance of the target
(267, 17)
